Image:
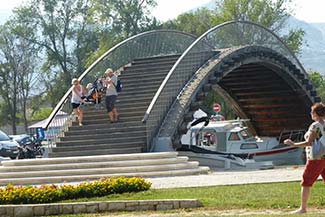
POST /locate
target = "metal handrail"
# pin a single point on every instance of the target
(163, 84)
(93, 65)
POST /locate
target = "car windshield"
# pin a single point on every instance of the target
(3, 136)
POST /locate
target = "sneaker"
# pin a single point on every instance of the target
(80, 124)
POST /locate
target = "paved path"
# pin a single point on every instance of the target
(278, 174)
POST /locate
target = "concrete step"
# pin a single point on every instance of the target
(94, 152)
(79, 178)
(83, 131)
(139, 96)
(134, 88)
(84, 168)
(90, 110)
(99, 171)
(105, 146)
(122, 114)
(108, 140)
(89, 159)
(130, 78)
(99, 164)
(94, 126)
(156, 60)
(144, 75)
(94, 135)
(122, 119)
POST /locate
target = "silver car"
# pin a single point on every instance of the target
(8, 147)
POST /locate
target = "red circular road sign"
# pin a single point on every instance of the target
(216, 107)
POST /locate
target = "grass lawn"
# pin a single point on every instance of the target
(252, 199)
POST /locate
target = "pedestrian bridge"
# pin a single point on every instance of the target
(166, 74)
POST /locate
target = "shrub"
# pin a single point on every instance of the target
(53, 193)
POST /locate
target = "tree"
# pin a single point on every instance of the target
(62, 29)
(318, 82)
(18, 58)
(196, 22)
(270, 14)
(121, 19)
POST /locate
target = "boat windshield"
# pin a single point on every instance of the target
(246, 134)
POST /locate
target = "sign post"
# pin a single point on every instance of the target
(216, 107)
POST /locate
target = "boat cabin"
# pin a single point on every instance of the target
(228, 136)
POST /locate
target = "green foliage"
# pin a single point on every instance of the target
(294, 40)
(196, 22)
(270, 14)
(53, 193)
(41, 114)
(319, 83)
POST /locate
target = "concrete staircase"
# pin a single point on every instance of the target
(98, 136)
(77, 169)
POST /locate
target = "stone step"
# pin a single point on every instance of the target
(99, 171)
(148, 96)
(99, 164)
(90, 159)
(109, 140)
(130, 78)
(94, 135)
(83, 131)
(77, 178)
(76, 152)
(126, 77)
(131, 88)
(120, 124)
(106, 146)
(155, 59)
(89, 110)
(103, 120)
(86, 168)
(122, 114)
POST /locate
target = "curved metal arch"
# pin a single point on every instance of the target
(94, 64)
(181, 106)
(163, 107)
(198, 40)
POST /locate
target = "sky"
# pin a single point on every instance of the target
(306, 10)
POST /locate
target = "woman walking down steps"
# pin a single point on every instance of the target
(77, 99)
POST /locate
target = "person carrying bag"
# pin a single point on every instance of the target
(314, 144)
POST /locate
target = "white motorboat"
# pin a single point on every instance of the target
(232, 139)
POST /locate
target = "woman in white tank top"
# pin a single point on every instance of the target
(313, 167)
(76, 100)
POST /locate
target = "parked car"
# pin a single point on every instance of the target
(22, 139)
(8, 147)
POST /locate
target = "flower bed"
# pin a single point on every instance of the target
(53, 193)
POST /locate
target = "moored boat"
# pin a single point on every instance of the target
(233, 138)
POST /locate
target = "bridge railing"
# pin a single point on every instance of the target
(144, 45)
(227, 35)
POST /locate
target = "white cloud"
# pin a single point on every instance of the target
(9, 4)
(309, 10)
